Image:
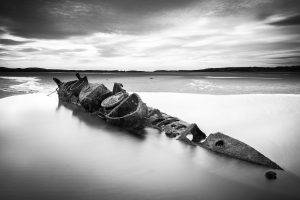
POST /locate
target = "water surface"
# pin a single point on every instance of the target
(199, 83)
(50, 151)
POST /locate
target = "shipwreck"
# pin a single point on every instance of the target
(119, 108)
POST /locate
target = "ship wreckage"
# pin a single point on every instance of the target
(128, 111)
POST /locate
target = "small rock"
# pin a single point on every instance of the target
(271, 175)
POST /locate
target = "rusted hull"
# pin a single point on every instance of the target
(91, 96)
(226, 145)
(133, 120)
(131, 113)
(174, 127)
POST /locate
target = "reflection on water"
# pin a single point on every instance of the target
(94, 121)
(57, 152)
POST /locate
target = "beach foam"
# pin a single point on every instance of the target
(24, 84)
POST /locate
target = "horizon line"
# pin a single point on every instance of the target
(211, 69)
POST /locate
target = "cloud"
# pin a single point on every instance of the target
(148, 6)
(110, 52)
(29, 50)
(11, 42)
(297, 57)
(47, 51)
(2, 31)
(60, 19)
(8, 55)
(3, 50)
(138, 33)
(58, 51)
(4, 54)
(289, 21)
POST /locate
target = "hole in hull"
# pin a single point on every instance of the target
(190, 137)
(219, 143)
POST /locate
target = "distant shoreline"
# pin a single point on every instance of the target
(226, 69)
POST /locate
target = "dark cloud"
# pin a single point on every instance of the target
(45, 51)
(63, 18)
(4, 54)
(293, 20)
(3, 50)
(296, 57)
(260, 10)
(293, 58)
(29, 50)
(11, 42)
(7, 54)
(146, 6)
(276, 7)
(59, 51)
(31, 19)
(285, 63)
(57, 19)
(1, 31)
(269, 46)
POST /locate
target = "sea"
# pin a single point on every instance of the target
(50, 151)
(215, 83)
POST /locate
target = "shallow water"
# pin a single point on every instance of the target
(49, 151)
(198, 83)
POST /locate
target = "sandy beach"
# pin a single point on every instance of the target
(50, 150)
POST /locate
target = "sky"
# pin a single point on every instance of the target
(149, 34)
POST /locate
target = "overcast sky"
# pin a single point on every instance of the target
(149, 34)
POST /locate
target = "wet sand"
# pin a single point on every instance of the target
(48, 151)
